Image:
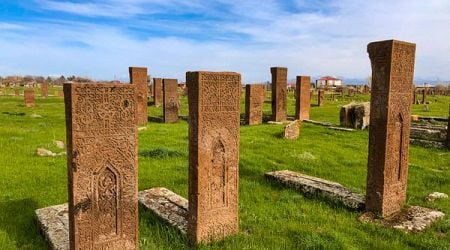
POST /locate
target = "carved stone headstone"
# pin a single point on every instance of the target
(44, 89)
(16, 92)
(424, 96)
(254, 100)
(102, 164)
(392, 75)
(138, 77)
(214, 120)
(303, 98)
(320, 98)
(157, 91)
(292, 130)
(170, 100)
(279, 94)
(414, 95)
(29, 98)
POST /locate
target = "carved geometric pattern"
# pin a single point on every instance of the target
(170, 100)
(303, 98)
(279, 98)
(102, 163)
(138, 77)
(214, 115)
(392, 75)
(254, 100)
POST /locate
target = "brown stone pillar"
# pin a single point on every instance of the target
(157, 91)
(170, 100)
(138, 77)
(392, 75)
(44, 90)
(254, 100)
(214, 120)
(303, 98)
(414, 95)
(320, 98)
(279, 98)
(29, 98)
(102, 166)
(424, 96)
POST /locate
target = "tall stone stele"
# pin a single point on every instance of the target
(214, 120)
(44, 89)
(102, 165)
(170, 100)
(157, 91)
(303, 98)
(29, 98)
(279, 93)
(254, 100)
(392, 81)
(138, 78)
(320, 98)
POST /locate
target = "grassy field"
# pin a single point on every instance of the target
(271, 216)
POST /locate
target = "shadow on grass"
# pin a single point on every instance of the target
(160, 153)
(156, 119)
(14, 113)
(18, 220)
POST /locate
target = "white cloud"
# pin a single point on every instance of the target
(309, 43)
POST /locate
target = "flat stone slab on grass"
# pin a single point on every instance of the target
(168, 205)
(313, 185)
(54, 222)
(412, 219)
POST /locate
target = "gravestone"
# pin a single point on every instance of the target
(414, 95)
(424, 96)
(303, 98)
(44, 90)
(392, 75)
(29, 98)
(292, 130)
(320, 98)
(279, 98)
(60, 93)
(157, 91)
(254, 100)
(170, 100)
(138, 78)
(448, 128)
(214, 120)
(16, 92)
(102, 163)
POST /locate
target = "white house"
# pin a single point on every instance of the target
(328, 81)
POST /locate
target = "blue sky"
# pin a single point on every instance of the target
(100, 39)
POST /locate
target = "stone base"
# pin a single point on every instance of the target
(313, 186)
(54, 222)
(169, 206)
(413, 219)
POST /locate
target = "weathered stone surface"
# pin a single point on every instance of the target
(320, 98)
(436, 196)
(427, 143)
(46, 152)
(54, 223)
(303, 98)
(44, 89)
(413, 219)
(138, 77)
(214, 120)
(292, 130)
(59, 144)
(279, 93)
(355, 115)
(325, 124)
(254, 100)
(315, 186)
(157, 91)
(16, 92)
(29, 98)
(414, 118)
(392, 75)
(169, 206)
(170, 100)
(102, 164)
(428, 134)
(342, 129)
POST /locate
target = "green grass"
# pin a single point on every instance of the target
(271, 216)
